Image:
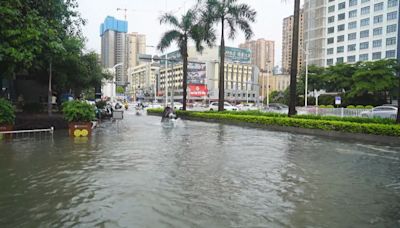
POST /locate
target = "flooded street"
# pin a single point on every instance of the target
(142, 173)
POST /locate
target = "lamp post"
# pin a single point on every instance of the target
(268, 72)
(155, 77)
(247, 91)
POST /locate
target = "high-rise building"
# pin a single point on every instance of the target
(113, 47)
(287, 39)
(351, 31)
(263, 52)
(315, 30)
(136, 45)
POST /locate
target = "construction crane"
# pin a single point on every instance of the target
(125, 11)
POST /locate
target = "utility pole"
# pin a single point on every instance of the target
(125, 11)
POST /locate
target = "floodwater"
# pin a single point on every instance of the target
(141, 173)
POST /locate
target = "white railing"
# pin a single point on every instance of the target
(35, 133)
(343, 112)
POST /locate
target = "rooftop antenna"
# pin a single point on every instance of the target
(125, 10)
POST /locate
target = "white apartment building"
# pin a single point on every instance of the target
(351, 30)
(143, 79)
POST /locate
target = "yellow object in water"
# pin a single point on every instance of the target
(81, 133)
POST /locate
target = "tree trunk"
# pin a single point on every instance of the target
(295, 51)
(50, 94)
(398, 101)
(185, 67)
(221, 95)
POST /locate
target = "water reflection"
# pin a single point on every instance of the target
(142, 173)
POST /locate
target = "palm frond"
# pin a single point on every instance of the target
(168, 18)
(167, 38)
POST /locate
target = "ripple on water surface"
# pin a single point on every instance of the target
(142, 173)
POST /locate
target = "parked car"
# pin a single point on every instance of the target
(178, 106)
(381, 112)
(228, 107)
(277, 107)
(247, 107)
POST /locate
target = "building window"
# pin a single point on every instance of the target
(378, 6)
(352, 13)
(377, 31)
(329, 62)
(352, 25)
(365, 10)
(352, 36)
(341, 16)
(331, 9)
(391, 54)
(376, 55)
(364, 45)
(340, 60)
(352, 2)
(331, 40)
(363, 57)
(329, 51)
(364, 1)
(364, 22)
(378, 19)
(331, 30)
(351, 59)
(390, 41)
(376, 43)
(391, 28)
(364, 34)
(340, 27)
(340, 49)
(392, 3)
(340, 38)
(342, 5)
(331, 19)
(351, 47)
(392, 16)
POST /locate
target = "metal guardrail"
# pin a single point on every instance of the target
(26, 133)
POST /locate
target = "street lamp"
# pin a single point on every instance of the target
(268, 72)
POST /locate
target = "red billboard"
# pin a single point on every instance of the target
(198, 90)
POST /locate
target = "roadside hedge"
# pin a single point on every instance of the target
(310, 117)
(327, 125)
(316, 117)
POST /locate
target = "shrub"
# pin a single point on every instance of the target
(33, 107)
(369, 107)
(7, 112)
(330, 106)
(360, 107)
(78, 111)
(351, 107)
(328, 125)
(322, 106)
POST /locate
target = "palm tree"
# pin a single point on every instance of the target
(295, 51)
(184, 30)
(233, 16)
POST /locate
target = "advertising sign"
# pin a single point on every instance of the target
(238, 55)
(198, 90)
(196, 73)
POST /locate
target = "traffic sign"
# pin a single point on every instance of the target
(338, 100)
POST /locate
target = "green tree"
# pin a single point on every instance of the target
(377, 78)
(188, 28)
(232, 16)
(120, 90)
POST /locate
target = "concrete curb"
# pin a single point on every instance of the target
(391, 140)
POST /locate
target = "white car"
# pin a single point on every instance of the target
(178, 106)
(381, 112)
(228, 107)
(247, 107)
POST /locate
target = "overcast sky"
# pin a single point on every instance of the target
(143, 17)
